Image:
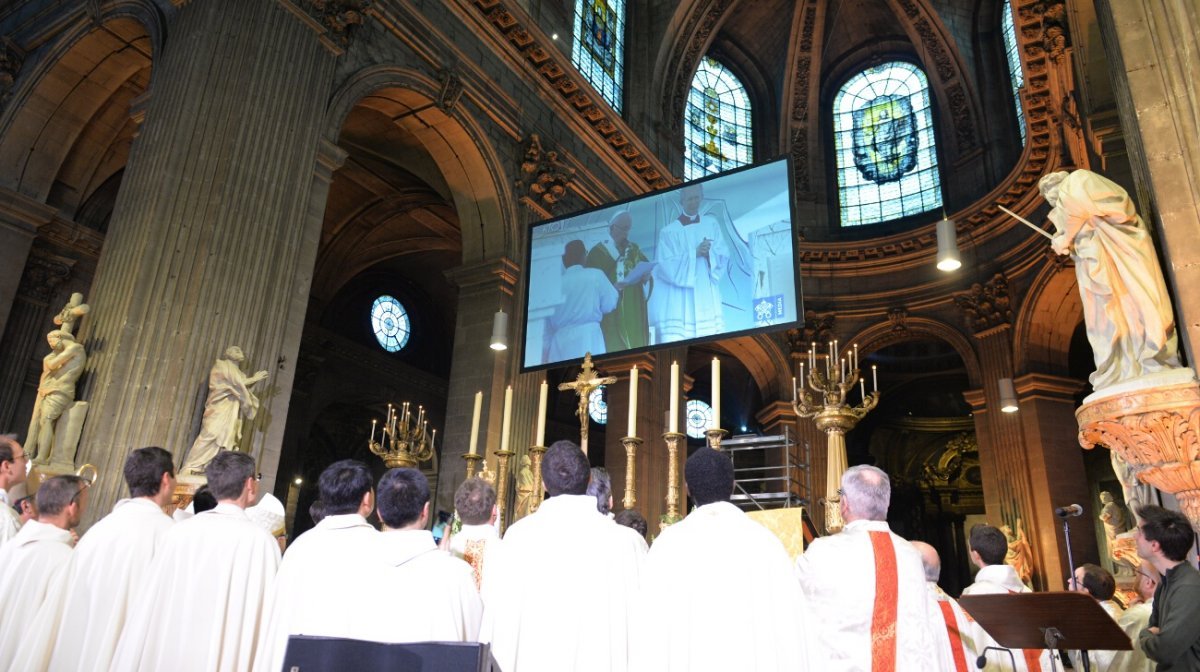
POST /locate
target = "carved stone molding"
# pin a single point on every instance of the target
(697, 34)
(986, 305)
(1157, 432)
(11, 60)
(545, 178)
(818, 328)
(451, 91)
(43, 274)
(334, 21)
(898, 317)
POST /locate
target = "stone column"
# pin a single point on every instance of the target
(20, 217)
(29, 322)
(213, 237)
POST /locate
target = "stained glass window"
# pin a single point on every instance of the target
(717, 122)
(699, 418)
(598, 50)
(389, 321)
(1015, 77)
(883, 136)
(597, 406)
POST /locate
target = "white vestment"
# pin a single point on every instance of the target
(322, 588)
(838, 576)
(720, 595)
(1133, 621)
(79, 624)
(31, 565)
(686, 301)
(474, 544)
(999, 580)
(575, 324)
(955, 638)
(202, 607)
(1101, 660)
(560, 595)
(10, 521)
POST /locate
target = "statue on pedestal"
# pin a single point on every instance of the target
(55, 399)
(1020, 555)
(1122, 547)
(229, 402)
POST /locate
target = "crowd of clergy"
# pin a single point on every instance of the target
(567, 588)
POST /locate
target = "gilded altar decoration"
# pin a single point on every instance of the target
(406, 440)
(587, 380)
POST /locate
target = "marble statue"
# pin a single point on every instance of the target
(229, 402)
(1126, 309)
(1122, 547)
(55, 400)
(524, 490)
(1112, 516)
(1136, 493)
(1020, 555)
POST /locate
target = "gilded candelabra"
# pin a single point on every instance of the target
(822, 397)
(672, 515)
(631, 444)
(406, 440)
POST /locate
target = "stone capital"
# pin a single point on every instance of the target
(986, 306)
(44, 272)
(490, 274)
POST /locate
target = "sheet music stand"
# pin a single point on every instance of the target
(1046, 621)
(332, 654)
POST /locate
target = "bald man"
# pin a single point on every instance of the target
(955, 641)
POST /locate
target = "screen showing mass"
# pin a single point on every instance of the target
(703, 260)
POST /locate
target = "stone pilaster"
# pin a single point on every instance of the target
(29, 322)
(20, 217)
(213, 237)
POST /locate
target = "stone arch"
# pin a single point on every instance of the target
(1046, 322)
(468, 162)
(763, 358)
(883, 334)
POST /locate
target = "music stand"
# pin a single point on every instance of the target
(332, 654)
(1046, 621)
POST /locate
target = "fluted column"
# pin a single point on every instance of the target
(213, 237)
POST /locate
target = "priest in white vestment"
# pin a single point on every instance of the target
(560, 595)
(588, 296)
(989, 546)
(478, 538)
(866, 587)
(202, 607)
(1135, 619)
(1098, 583)
(955, 639)
(78, 625)
(32, 563)
(13, 462)
(323, 587)
(719, 590)
(692, 258)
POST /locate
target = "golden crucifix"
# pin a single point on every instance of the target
(585, 382)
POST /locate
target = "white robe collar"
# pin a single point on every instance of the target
(343, 522)
(568, 506)
(4, 497)
(859, 526)
(138, 503)
(35, 531)
(400, 546)
(1001, 575)
(227, 509)
(476, 532)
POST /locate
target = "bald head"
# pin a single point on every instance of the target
(929, 560)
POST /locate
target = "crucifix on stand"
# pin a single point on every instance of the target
(585, 382)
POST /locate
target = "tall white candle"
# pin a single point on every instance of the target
(541, 424)
(373, 430)
(874, 379)
(802, 379)
(504, 424)
(795, 393)
(633, 390)
(862, 388)
(673, 422)
(475, 423)
(716, 392)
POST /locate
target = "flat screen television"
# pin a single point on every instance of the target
(700, 261)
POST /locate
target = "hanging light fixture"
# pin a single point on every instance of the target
(1008, 396)
(947, 242)
(499, 330)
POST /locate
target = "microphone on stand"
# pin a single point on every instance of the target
(981, 661)
(1069, 511)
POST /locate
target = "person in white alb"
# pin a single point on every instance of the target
(692, 259)
(588, 296)
(202, 607)
(955, 639)
(1097, 582)
(1135, 619)
(719, 588)
(988, 548)
(13, 463)
(302, 600)
(866, 587)
(478, 539)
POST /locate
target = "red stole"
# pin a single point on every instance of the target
(887, 593)
(960, 659)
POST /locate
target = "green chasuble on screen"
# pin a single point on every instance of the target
(626, 326)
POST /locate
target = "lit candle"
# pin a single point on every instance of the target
(855, 365)
(475, 423)
(673, 422)
(541, 424)
(802, 372)
(795, 392)
(874, 379)
(716, 392)
(433, 439)
(633, 390)
(842, 370)
(812, 355)
(373, 421)
(862, 388)
(504, 424)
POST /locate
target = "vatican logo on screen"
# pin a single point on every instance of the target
(885, 138)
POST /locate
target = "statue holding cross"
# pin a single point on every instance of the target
(585, 382)
(71, 313)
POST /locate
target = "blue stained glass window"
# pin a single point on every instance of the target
(389, 321)
(597, 406)
(1015, 76)
(716, 123)
(884, 144)
(598, 50)
(699, 418)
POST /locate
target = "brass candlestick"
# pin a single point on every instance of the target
(535, 456)
(715, 435)
(631, 444)
(502, 484)
(472, 463)
(672, 515)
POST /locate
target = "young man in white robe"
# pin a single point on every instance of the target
(32, 563)
(326, 569)
(78, 626)
(1135, 619)
(1098, 583)
(866, 587)
(561, 594)
(989, 546)
(588, 296)
(705, 574)
(478, 539)
(13, 462)
(202, 607)
(692, 259)
(955, 639)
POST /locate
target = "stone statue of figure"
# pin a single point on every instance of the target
(524, 490)
(1112, 516)
(55, 395)
(1122, 547)
(229, 402)
(1125, 305)
(1136, 493)
(1020, 555)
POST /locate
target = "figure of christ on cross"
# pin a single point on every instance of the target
(585, 382)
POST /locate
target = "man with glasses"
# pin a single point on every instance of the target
(32, 563)
(1134, 620)
(1172, 637)
(12, 472)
